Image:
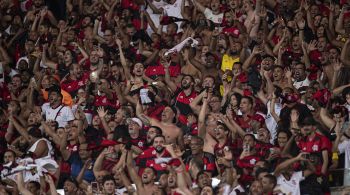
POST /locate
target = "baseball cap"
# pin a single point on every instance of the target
(134, 120)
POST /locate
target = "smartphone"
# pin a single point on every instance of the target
(95, 187)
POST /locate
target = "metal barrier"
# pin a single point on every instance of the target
(340, 181)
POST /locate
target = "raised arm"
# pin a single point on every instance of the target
(249, 60)
(199, 6)
(344, 56)
(63, 147)
(132, 172)
(102, 113)
(83, 52)
(139, 113)
(289, 162)
(50, 132)
(201, 119)
(326, 119)
(272, 108)
(123, 60)
(20, 184)
(172, 86)
(46, 61)
(154, 8)
(196, 101)
(339, 27)
(21, 130)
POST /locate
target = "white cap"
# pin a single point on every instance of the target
(135, 120)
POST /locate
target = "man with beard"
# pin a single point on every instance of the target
(208, 159)
(75, 80)
(55, 110)
(155, 157)
(256, 188)
(185, 94)
(152, 132)
(145, 183)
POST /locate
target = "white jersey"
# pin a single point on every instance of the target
(347, 106)
(62, 114)
(344, 147)
(270, 122)
(291, 186)
(175, 11)
(300, 84)
(238, 188)
(50, 152)
(45, 163)
(216, 18)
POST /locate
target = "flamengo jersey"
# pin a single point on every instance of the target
(182, 102)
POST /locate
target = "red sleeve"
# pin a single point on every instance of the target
(326, 144)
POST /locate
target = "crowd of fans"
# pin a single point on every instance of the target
(174, 97)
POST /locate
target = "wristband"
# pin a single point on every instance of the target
(335, 156)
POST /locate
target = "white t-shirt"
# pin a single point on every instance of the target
(217, 19)
(292, 185)
(62, 114)
(270, 122)
(303, 83)
(347, 106)
(344, 146)
(237, 188)
(175, 11)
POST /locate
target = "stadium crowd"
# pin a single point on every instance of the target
(170, 97)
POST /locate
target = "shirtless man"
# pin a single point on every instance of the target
(145, 184)
(206, 127)
(171, 132)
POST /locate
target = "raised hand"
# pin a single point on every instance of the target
(294, 116)
(48, 179)
(301, 24)
(118, 42)
(257, 50)
(337, 65)
(288, 73)
(312, 45)
(101, 112)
